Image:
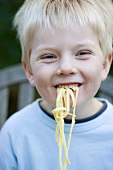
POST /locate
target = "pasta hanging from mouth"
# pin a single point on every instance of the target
(64, 95)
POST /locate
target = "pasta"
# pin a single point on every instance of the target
(65, 96)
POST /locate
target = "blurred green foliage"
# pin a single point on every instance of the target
(10, 52)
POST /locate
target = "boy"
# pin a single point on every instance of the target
(65, 43)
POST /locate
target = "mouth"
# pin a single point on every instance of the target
(69, 85)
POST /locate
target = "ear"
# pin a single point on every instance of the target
(29, 74)
(106, 67)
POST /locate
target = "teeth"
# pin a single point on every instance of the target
(68, 86)
(71, 86)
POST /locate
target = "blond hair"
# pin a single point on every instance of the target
(62, 13)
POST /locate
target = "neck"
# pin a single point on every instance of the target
(86, 110)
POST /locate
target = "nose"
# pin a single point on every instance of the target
(66, 67)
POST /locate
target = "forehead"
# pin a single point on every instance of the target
(51, 37)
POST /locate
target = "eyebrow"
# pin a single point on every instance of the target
(87, 43)
(52, 48)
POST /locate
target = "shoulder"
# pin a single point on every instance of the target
(21, 121)
(109, 104)
(108, 112)
(15, 132)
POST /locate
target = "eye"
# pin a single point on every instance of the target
(83, 54)
(48, 58)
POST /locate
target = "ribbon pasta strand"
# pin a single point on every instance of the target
(64, 95)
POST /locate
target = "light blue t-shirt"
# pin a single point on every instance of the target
(27, 142)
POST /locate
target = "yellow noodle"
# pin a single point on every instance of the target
(60, 112)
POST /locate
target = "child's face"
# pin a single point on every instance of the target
(67, 57)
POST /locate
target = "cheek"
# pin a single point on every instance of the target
(41, 85)
(42, 80)
(93, 70)
(92, 75)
